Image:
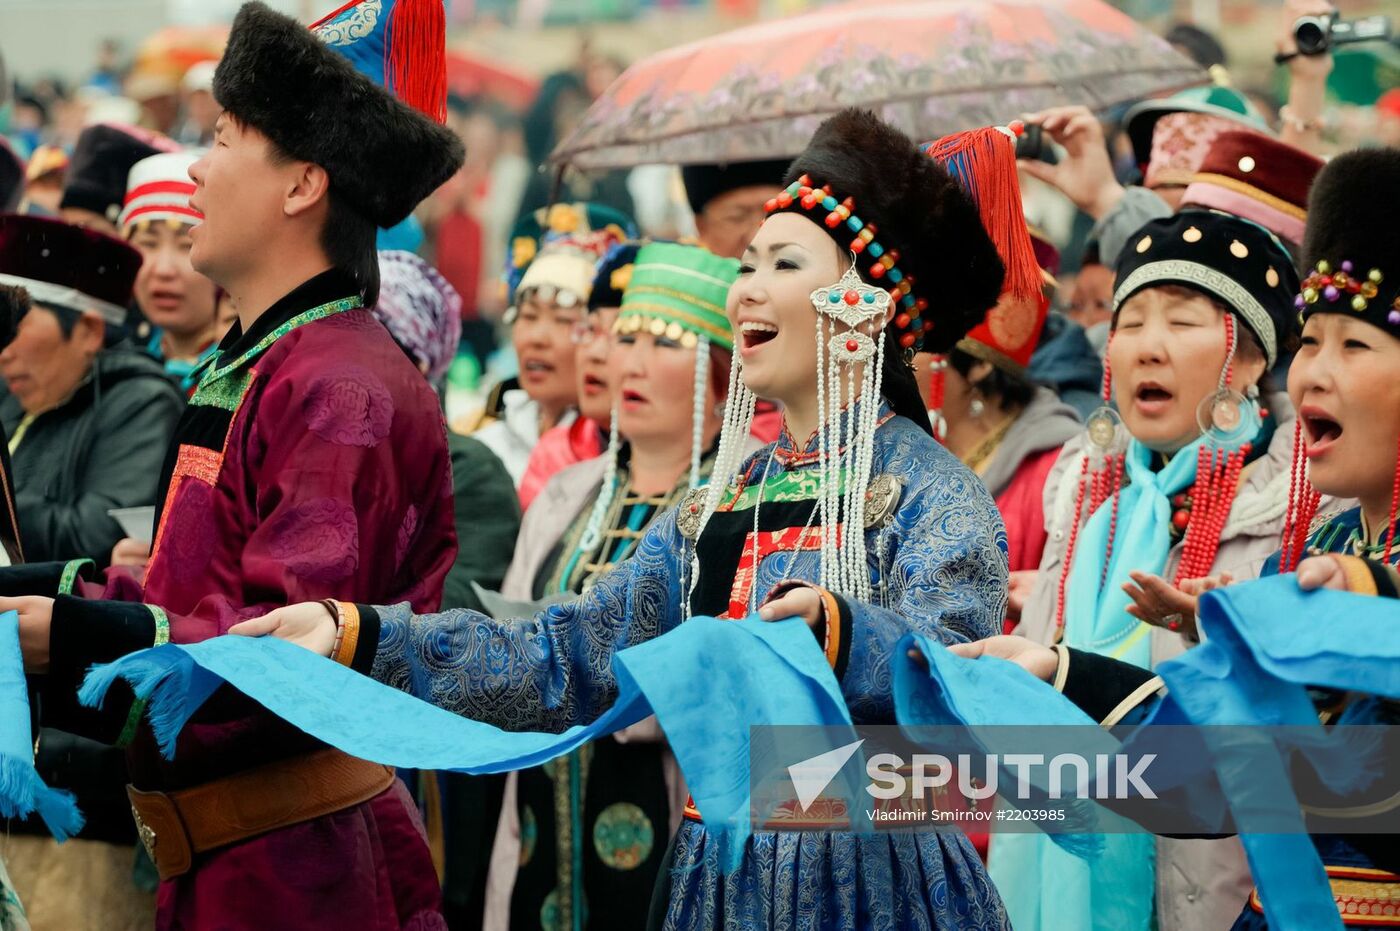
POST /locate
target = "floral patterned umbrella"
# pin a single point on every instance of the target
(930, 67)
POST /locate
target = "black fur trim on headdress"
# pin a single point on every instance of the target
(1350, 219)
(382, 156)
(918, 210)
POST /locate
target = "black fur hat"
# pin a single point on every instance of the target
(703, 183)
(912, 226)
(1351, 248)
(101, 165)
(383, 157)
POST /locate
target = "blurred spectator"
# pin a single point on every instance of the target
(1091, 298)
(728, 201)
(554, 255)
(562, 101)
(466, 221)
(420, 309)
(107, 73)
(43, 181)
(11, 177)
(88, 424)
(95, 187)
(28, 120)
(201, 110)
(1388, 118)
(176, 300)
(595, 362)
(157, 94)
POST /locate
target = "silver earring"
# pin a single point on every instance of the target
(857, 305)
(976, 408)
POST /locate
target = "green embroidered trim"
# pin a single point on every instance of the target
(214, 391)
(799, 485)
(138, 707)
(226, 393)
(70, 574)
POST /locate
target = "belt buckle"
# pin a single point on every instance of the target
(146, 833)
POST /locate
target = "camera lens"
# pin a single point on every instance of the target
(1311, 36)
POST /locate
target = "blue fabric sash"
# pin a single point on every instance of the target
(1081, 881)
(1266, 641)
(707, 681)
(22, 792)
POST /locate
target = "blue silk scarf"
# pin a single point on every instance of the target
(22, 792)
(1265, 642)
(708, 681)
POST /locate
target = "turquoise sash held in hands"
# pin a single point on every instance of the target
(22, 792)
(707, 681)
(1266, 641)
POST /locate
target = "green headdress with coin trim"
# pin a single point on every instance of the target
(679, 292)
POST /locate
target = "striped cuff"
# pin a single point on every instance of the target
(69, 577)
(348, 633)
(1357, 571)
(361, 658)
(138, 707)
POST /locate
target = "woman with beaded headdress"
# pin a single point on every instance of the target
(549, 274)
(1185, 477)
(1345, 385)
(833, 296)
(671, 368)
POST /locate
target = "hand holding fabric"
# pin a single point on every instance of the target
(799, 601)
(1036, 659)
(1321, 572)
(307, 624)
(35, 618)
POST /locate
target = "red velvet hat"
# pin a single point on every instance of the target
(1257, 178)
(67, 266)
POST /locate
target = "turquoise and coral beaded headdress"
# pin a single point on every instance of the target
(912, 228)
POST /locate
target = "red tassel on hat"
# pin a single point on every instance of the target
(984, 161)
(415, 56)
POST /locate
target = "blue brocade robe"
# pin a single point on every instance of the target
(938, 565)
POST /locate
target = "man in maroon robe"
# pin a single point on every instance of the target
(311, 463)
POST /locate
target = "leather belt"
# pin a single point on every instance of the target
(175, 826)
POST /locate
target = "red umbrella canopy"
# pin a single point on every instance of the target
(931, 67)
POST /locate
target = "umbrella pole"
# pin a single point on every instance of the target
(557, 185)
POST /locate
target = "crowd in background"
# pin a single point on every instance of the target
(507, 290)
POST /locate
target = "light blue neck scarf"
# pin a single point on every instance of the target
(1096, 616)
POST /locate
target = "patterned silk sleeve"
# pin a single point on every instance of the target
(543, 673)
(945, 575)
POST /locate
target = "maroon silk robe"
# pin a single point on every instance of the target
(311, 463)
